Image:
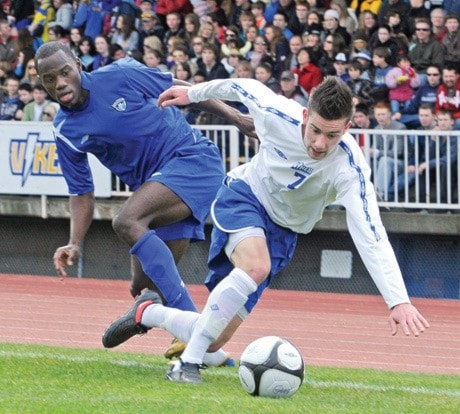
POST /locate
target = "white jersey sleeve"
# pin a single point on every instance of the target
(366, 227)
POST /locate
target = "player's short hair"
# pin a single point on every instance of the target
(50, 48)
(331, 99)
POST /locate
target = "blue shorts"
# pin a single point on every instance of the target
(195, 175)
(237, 208)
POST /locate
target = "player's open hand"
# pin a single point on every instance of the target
(175, 95)
(65, 256)
(409, 318)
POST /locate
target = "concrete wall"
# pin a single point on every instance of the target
(430, 261)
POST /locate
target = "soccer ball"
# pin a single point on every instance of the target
(271, 367)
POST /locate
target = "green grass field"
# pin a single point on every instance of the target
(39, 379)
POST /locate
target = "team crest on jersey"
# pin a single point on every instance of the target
(119, 105)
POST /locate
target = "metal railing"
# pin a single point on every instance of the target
(414, 193)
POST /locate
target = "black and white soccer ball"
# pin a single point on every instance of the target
(271, 367)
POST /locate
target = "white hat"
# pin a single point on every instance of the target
(332, 13)
(340, 57)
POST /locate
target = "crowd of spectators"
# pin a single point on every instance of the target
(396, 55)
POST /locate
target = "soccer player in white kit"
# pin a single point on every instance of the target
(306, 161)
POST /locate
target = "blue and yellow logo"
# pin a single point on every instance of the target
(33, 156)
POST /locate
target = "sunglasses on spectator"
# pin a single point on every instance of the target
(422, 29)
(433, 74)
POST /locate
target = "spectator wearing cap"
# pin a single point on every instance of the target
(331, 25)
(291, 90)
(346, 19)
(308, 73)
(451, 41)
(341, 66)
(424, 50)
(146, 6)
(150, 26)
(359, 42)
(365, 59)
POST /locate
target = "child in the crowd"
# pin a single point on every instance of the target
(361, 87)
(341, 66)
(380, 59)
(401, 80)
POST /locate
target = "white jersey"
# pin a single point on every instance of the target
(295, 189)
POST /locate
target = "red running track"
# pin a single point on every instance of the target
(329, 329)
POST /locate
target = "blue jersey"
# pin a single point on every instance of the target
(122, 125)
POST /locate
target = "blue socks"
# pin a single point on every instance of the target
(158, 263)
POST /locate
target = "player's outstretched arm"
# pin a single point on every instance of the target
(178, 95)
(409, 318)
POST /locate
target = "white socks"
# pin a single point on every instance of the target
(180, 324)
(224, 302)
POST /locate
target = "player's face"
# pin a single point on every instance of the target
(61, 77)
(322, 136)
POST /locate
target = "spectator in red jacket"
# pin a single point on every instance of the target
(309, 75)
(448, 96)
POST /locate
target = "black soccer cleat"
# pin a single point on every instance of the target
(129, 324)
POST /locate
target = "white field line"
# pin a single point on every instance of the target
(232, 373)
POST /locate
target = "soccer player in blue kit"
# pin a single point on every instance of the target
(172, 169)
(307, 160)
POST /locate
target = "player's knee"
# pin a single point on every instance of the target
(259, 271)
(122, 224)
